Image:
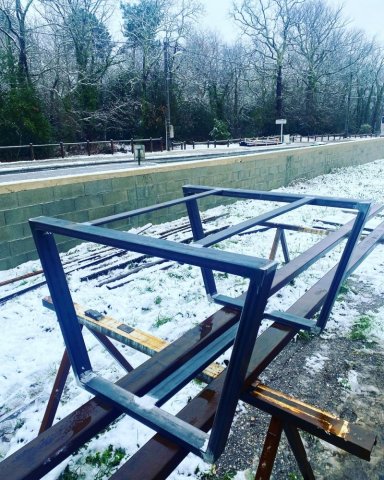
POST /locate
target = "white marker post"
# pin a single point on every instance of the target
(281, 122)
(382, 126)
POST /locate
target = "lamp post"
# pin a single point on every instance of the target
(167, 97)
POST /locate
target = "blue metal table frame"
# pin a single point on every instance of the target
(260, 272)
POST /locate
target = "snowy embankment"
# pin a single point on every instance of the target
(166, 302)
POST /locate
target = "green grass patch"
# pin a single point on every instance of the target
(212, 474)
(162, 320)
(105, 462)
(361, 328)
(343, 291)
(305, 336)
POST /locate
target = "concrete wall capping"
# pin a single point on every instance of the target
(87, 197)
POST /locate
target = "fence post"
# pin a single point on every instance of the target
(161, 143)
(31, 152)
(132, 145)
(151, 144)
(112, 147)
(62, 149)
(193, 144)
(88, 148)
(228, 143)
(208, 144)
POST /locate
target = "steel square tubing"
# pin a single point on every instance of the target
(198, 234)
(152, 208)
(341, 269)
(310, 303)
(206, 241)
(240, 227)
(186, 372)
(256, 298)
(207, 447)
(317, 200)
(201, 410)
(243, 265)
(209, 280)
(296, 266)
(77, 428)
(296, 201)
(52, 266)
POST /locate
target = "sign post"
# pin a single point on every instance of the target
(281, 122)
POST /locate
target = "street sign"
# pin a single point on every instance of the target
(281, 121)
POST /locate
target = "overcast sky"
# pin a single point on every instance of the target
(367, 15)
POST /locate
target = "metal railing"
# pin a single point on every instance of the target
(87, 147)
(110, 147)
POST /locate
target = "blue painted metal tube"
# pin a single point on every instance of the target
(276, 196)
(284, 246)
(152, 208)
(198, 233)
(61, 297)
(260, 273)
(142, 409)
(243, 265)
(164, 390)
(240, 227)
(302, 262)
(341, 270)
(250, 320)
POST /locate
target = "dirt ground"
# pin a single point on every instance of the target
(327, 388)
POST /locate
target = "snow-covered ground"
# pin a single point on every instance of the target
(166, 302)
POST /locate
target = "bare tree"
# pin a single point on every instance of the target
(13, 26)
(82, 44)
(269, 25)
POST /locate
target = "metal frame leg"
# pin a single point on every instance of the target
(342, 266)
(198, 234)
(271, 445)
(62, 375)
(56, 392)
(297, 447)
(275, 244)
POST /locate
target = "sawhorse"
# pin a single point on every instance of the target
(287, 413)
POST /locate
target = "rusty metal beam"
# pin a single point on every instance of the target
(271, 445)
(65, 437)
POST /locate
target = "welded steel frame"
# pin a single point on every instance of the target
(293, 201)
(146, 407)
(193, 193)
(259, 271)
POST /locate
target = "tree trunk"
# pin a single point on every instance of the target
(279, 92)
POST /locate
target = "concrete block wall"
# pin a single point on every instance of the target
(87, 197)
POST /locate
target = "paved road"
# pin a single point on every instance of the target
(37, 170)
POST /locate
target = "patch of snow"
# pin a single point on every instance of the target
(167, 303)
